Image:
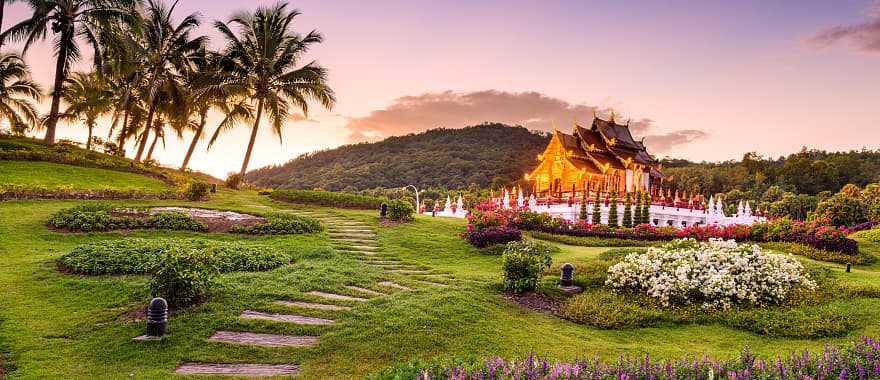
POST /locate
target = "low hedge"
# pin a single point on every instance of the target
(591, 241)
(17, 191)
(818, 254)
(281, 224)
(328, 198)
(872, 235)
(141, 256)
(97, 217)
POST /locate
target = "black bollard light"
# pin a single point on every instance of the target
(213, 187)
(157, 318)
(383, 210)
(848, 267)
(567, 270)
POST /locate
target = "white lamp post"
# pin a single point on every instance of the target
(417, 196)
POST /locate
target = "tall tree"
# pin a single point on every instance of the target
(71, 21)
(204, 89)
(262, 60)
(88, 98)
(167, 50)
(17, 94)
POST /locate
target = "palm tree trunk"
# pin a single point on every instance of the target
(127, 109)
(250, 148)
(90, 123)
(195, 140)
(146, 133)
(2, 10)
(152, 146)
(158, 129)
(60, 74)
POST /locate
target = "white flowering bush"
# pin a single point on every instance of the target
(716, 273)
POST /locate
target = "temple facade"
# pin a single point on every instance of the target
(604, 157)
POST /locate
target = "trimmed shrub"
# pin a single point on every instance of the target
(400, 211)
(178, 221)
(522, 264)
(872, 235)
(234, 180)
(281, 224)
(97, 217)
(328, 198)
(493, 235)
(184, 277)
(197, 190)
(141, 256)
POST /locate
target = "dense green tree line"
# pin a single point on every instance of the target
(483, 155)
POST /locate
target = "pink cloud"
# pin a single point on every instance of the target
(533, 110)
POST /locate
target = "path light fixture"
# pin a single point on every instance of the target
(417, 191)
(157, 318)
(566, 282)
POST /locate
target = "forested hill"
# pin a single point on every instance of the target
(452, 158)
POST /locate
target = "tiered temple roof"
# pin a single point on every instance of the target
(605, 154)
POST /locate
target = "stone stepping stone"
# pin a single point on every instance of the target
(363, 247)
(364, 290)
(267, 340)
(368, 253)
(431, 283)
(258, 370)
(309, 305)
(394, 285)
(374, 261)
(337, 229)
(334, 296)
(354, 240)
(334, 235)
(407, 271)
(303, 320)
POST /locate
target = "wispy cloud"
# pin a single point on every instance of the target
(863, 37)
(533, 110)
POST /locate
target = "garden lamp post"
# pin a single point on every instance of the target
(417, 191)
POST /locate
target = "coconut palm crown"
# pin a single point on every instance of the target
(18, 94)
(262, 61)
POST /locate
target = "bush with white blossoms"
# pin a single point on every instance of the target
(717, 273)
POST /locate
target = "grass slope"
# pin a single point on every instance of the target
(54, 325)
(38, 173)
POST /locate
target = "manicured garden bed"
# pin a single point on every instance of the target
(328, 198)
(141, 256)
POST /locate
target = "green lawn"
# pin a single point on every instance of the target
(78, 178)
(54, 325)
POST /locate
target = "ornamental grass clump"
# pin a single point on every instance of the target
(717, 274)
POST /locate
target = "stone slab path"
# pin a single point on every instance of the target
(347, 236)
(365, 290)
(334, 296)
(249, 370)
(394, 285)
(266, 340)
(309, 305)
(290, 318)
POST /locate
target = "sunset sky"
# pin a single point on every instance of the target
(703, 80)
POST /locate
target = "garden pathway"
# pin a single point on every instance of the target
(347, 236)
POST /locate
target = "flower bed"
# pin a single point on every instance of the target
(860, 360)
(716, 273)
(817, 233)
(101, 217)
(139, 256)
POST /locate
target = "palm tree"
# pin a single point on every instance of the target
(2, 12)
(88, 98)
(262, 64)
(18, 94)
(204, 89)
(167, 49)
(71, 21)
